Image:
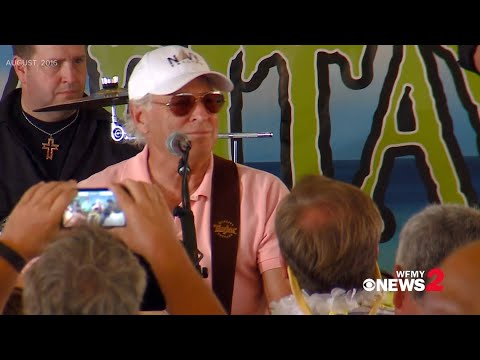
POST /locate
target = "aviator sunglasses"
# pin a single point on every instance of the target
(183, 104)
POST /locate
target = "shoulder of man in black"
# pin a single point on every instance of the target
(9, 161)
(6, 105)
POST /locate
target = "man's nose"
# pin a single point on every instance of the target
(199, 112)
(69, 73)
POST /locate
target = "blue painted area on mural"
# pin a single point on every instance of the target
(5, 65)
(351, 111)
(462, 128)
(473, 164)
(271, 167)
(406, 195)
(261, 113)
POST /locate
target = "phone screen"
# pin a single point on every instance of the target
(94, 206)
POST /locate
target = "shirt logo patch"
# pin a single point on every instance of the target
(225, 229)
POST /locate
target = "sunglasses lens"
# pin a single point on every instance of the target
(182, 104)
(213, 102)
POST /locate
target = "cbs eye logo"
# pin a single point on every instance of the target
(118, 134)
(369, 284)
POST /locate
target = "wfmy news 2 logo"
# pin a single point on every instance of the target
(407, 280)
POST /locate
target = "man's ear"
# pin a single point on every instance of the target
(137, 114)
(398, 296)
(20, 66)
(396, 268)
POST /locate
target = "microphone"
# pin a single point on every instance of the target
(178, 144)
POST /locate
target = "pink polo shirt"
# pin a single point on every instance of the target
(258, 250)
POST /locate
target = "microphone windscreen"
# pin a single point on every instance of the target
(177, 143)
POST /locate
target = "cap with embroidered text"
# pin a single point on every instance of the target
(167, 69)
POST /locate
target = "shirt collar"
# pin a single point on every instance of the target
(205, 188)
(136, 168)
(139, 167)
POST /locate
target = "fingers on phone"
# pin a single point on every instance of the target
(45, 194)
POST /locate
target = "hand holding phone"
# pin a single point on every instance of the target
(149, 219)
(36, 217)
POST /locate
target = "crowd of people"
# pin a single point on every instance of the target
(307, 250)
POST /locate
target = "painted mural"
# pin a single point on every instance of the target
(399, 121)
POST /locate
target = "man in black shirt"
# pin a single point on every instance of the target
(54, 145)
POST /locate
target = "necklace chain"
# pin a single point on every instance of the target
(47, 133)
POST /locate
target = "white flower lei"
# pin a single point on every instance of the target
(338, 302)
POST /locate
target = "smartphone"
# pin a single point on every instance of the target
(94, 206)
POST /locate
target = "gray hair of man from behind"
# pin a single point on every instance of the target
(432, 234)
(85, 271)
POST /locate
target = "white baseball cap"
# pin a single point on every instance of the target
(165, 70)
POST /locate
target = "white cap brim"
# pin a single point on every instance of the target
(218, 81)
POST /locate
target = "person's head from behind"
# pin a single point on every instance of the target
(172, 89)
(461, 284)
(86, 271)
(329, 232)
(50, 74)
(426, 239)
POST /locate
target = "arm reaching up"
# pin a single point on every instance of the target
(30, 227)
(150, 233)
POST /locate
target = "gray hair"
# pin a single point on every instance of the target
(137, 137)
(86, 271)
(432, 234)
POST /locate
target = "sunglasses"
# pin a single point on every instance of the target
(183, 104)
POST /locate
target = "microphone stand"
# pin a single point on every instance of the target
(186, 217)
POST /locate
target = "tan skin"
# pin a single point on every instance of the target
(405, 303)
(461, 284)
(476, 58)
(201, 127)
(54, 74)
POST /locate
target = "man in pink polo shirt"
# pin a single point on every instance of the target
(172, 90)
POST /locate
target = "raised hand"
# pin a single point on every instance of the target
(148, 218)
(37, 216)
